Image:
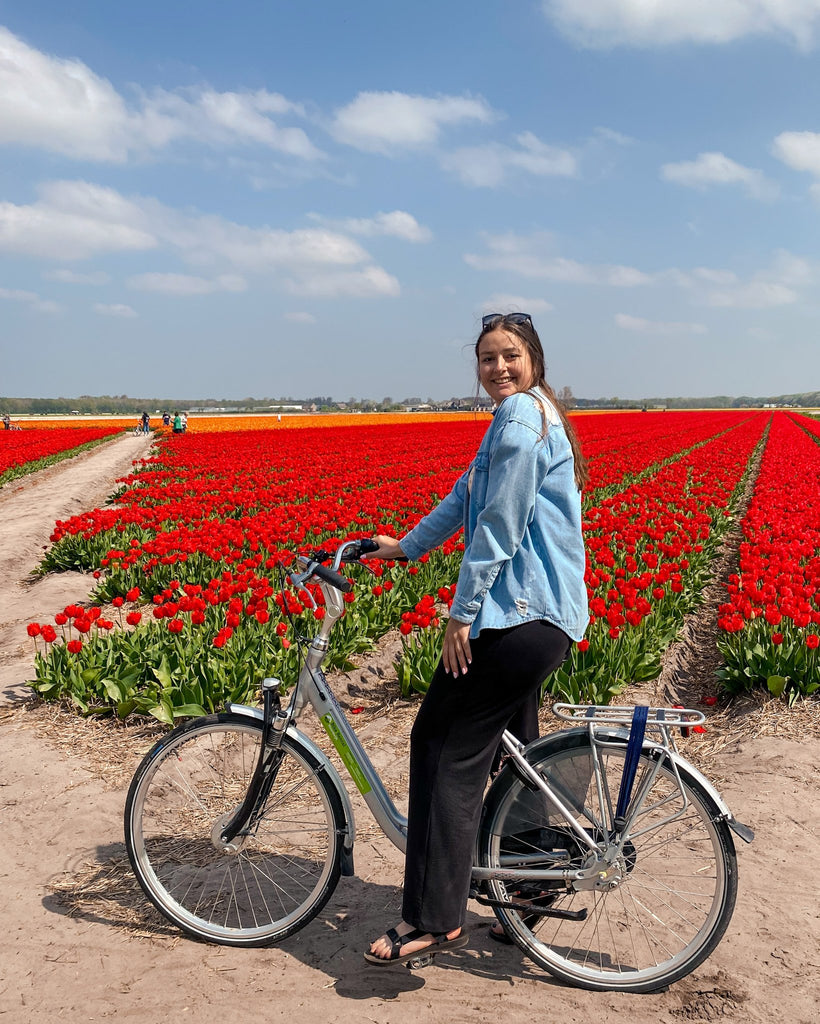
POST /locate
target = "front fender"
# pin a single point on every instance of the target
(328, 768)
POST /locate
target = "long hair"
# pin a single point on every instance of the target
(527, 334)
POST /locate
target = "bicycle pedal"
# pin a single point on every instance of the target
(417, 962)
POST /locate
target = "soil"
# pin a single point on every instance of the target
(81, 943)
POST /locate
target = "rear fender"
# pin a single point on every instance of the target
(687, 771)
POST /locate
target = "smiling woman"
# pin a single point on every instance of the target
(519, 603)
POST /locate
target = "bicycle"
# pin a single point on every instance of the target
(608, 859)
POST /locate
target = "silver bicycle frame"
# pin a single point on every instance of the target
(313, 688)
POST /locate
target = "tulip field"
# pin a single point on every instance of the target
(23, 451)
(189, 611)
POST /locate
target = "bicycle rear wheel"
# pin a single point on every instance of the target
(676, 874)
(279, 877)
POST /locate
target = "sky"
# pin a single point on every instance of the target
(271, 199)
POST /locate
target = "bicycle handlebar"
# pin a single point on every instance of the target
(313, 567)
(350, 551)
(332, 577)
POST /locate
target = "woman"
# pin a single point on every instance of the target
(520, 602)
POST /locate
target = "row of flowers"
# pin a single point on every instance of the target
(230, 422)
(770, 622)
(23, 451)
(650, 553)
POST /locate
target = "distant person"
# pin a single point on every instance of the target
(146, 423)
(6, 422)
(166, 419)
(184, 419)
(177, 427)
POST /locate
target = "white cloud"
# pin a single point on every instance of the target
(504, 303)
(76, 219)
(72, 221)
(799, 150)
(712, 275)
(386, 122)
(221, 119)
(186, 284)
(603, 134)
(396, 224)
(717, 169)
(603, 24)
(757, 294)
(365, 283)
(31, 299)
(488, 166)
(96, 277)
(642, 326)
(792, 270)
(297, 317)
(60, 105)
(63, 106)
(776, 285)
(531, 256)
(115, 309)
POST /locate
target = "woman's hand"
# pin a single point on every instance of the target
(389, 548)
(455, 653)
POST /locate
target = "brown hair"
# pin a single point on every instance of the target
(525, 331)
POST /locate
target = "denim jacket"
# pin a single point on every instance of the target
(521, 513)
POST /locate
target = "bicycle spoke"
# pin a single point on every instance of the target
(279, 873)
(672, 890)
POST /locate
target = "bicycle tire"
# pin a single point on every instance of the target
(281, 876)
(678, 884)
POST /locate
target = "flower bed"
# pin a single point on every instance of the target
(770, 624)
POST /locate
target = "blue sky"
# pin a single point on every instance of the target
(201, 199)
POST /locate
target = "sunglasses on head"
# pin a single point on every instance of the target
(491, 319)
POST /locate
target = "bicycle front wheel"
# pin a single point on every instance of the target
(276, 879)
(676, 872)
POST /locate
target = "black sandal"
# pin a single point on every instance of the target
(439, 944)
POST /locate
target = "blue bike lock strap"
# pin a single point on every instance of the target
(633, 752)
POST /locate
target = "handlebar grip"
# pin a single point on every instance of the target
(335, 579)
(366, 545)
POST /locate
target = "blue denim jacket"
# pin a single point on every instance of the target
(521, 513)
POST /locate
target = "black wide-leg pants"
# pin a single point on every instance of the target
(452, 746)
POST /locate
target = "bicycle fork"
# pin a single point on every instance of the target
(274, 724)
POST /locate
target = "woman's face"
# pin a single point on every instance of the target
(504, 364)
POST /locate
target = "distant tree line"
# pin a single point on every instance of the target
(124, 405)
(808, 400)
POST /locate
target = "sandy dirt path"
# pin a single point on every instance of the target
(80, 944)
